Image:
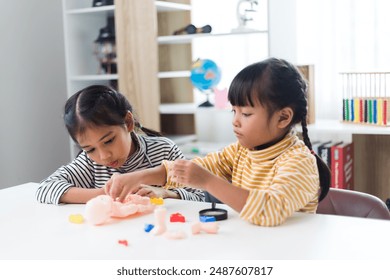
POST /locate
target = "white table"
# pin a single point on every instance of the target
(30, 230)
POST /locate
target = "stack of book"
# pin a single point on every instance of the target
(339, 158)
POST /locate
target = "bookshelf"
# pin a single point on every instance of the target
(371, 152)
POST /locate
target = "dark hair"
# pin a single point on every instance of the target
(277, 84)
(98, 105)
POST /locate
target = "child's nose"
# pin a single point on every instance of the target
(105, 154)
(235, 121)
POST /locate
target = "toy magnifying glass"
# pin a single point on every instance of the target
(213, 212)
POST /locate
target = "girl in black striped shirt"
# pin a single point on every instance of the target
(101, 121)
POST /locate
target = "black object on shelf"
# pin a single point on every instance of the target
(192, 29)
(99, 3)
(105, 48)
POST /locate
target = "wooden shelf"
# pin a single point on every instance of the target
(186, 39)
(171, 7)
(161, 6)
(174, 74)
(104, 77)
(177, 108)
(336, 126)
(91, 10)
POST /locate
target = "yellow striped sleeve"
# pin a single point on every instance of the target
(219, 163)
(293, 187)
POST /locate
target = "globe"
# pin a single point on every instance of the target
(205, 74)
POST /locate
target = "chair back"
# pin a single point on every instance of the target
(353, 203)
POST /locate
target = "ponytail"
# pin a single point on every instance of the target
(147, 131)
(323, 169)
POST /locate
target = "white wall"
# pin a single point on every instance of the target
(33, 140)
(283, 29)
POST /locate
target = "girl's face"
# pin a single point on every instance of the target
(253, 127)
(107, 145)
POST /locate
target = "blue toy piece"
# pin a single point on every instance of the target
(207, 219)
(148, 227)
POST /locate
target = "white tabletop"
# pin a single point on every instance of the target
(30, 230)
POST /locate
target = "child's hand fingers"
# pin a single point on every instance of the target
(107, 187)
(114, 187)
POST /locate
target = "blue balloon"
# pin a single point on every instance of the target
(205, 74)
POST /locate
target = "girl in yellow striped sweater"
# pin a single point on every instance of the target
(269, 173)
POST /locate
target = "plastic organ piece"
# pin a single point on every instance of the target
(177, 217)
(210, 227)
(175, 234)
(148, 227)
(159, 216)
(76, 218)
(157, 200)
(123, 242)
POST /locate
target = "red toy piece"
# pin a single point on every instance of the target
(123, 242)
(177, 218)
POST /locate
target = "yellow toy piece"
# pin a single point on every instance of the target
(76, 218)
(157, 200)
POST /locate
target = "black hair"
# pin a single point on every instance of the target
(98, 105)
(277, 84)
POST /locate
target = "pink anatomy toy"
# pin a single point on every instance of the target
(211, 227)
(99, 209)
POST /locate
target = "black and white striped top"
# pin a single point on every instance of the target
(82, 172)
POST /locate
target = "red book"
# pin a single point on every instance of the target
(342, 166)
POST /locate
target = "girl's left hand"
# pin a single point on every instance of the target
(189, 173)
(151, 191)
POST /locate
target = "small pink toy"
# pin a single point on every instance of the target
(175, 234)
(210, 227)
(159, 216)
(99, 209)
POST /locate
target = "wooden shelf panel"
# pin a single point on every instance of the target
(177, 108)
(336, 126)
(186, 39)
(91, 10)
(174, 74)
(161, 6)
(171, 7)
(95, 77)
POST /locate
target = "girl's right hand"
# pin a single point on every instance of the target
(120, 185)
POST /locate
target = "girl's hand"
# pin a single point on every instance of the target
(120, 185)
(189, 173)
(151, 191)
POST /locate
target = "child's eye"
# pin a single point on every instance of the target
(90, 151)
(246, 114)
(110, 141)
